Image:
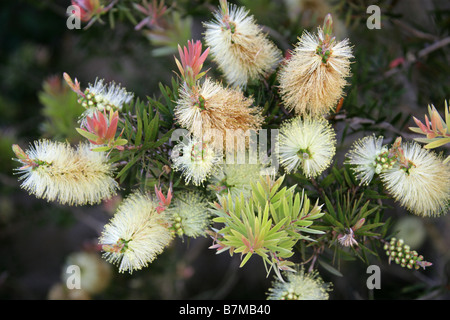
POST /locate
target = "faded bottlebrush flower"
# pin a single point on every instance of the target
(56, 171)
(239, 46)
(189, 214)
(369, 157)
(419, 180)
(211, 108)
(235, 179)
(306, 143)
(348, 238)
(300, 285)
(196, 159)
(136, 234)
(312, 80)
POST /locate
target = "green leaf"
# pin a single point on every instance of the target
(120, 142)
(87, 134)
(437, 143)
(101, 149)
(330, 268)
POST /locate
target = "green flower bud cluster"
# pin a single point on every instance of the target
(177, 227)
(290, 295)
(384, 162)
(91, 100)
(401, 254)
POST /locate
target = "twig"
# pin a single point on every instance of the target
(413, 31)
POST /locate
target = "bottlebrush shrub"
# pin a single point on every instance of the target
(291, 202)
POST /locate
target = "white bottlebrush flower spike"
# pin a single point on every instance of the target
(196, 159)
(300, 285)
(58, 172)
(136, 234)
(109, 96)
(192, 103)
(101, 96)
(189, 214)
(313, 79)
(421, 183)
(369, 157)
(239, 46)
(308, 143)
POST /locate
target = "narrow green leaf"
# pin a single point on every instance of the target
(437, 143)
(330, 268)
(87, 134)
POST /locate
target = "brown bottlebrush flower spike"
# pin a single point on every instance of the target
(312, 80)
(209, 107)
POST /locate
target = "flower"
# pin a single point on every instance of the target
(195, 158)
(347, 239)
(56, 171)
(312, 80)
(136, 234)
(300, 285)
(211, 110)
(190, 214)
(419, 180)
(235, 179)
(106, 96)
(100, 96)
(307, 143)
(369, 157)
(239, 46)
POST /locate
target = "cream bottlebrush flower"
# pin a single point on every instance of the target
(209, 107)
(239, 46)
(313, 79)
(369, 157)
(106, 96)
(56, 171)
(136, 234)
(300, 285)
(420, 181)
(236, 179)
(307, 143)
(189, 214)
(195, 158)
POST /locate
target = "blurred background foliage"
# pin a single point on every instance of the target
(397, 71)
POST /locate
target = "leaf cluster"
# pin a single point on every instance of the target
(268, 224)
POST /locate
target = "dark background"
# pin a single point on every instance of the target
(36, 237)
